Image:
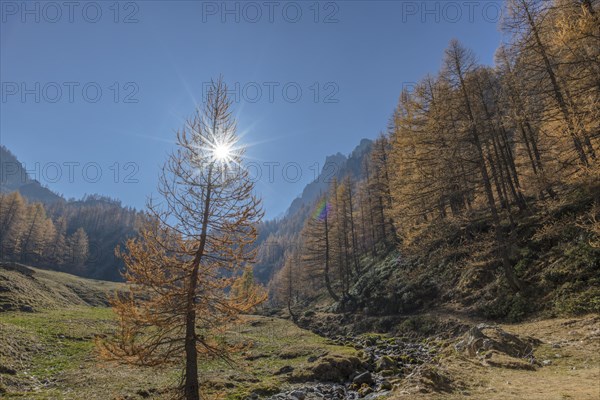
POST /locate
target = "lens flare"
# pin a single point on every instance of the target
(222, 152)
(322, 210)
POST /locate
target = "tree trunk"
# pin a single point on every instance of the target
(558, 95)
(372, 220)
(191, 386)
(25, 245)
(353, 232)
(327, 280)
(290, 294)
(509, 272)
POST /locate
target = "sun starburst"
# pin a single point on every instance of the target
(217, 148)
(222, 149)
(222, 152)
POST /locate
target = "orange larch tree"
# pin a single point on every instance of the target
(181, 267)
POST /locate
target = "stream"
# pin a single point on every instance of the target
(386, 360)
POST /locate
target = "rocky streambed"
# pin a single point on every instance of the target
(384, 362)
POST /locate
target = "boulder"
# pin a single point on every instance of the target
(484, 337)
(384, 362)
(335, 368)
(364, 378)
(297, 394)
(385, 385)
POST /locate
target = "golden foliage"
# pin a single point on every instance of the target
(182, 267)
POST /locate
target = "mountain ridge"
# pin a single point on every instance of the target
(14, 177)
(336, 165)
(277, 235)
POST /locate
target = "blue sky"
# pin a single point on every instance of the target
(310, 79)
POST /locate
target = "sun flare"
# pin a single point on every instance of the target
(222, 152)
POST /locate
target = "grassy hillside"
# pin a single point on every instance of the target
(25, 288)
(50, 321)
(50, 355)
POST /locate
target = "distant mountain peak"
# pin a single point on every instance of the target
(14, 177)
(336, 166)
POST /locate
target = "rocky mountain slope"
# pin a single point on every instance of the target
(275, 236)
(14, 177)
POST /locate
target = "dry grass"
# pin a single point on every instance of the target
(52, 355)
(29, 289)
(572, 347)
(49, 354)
